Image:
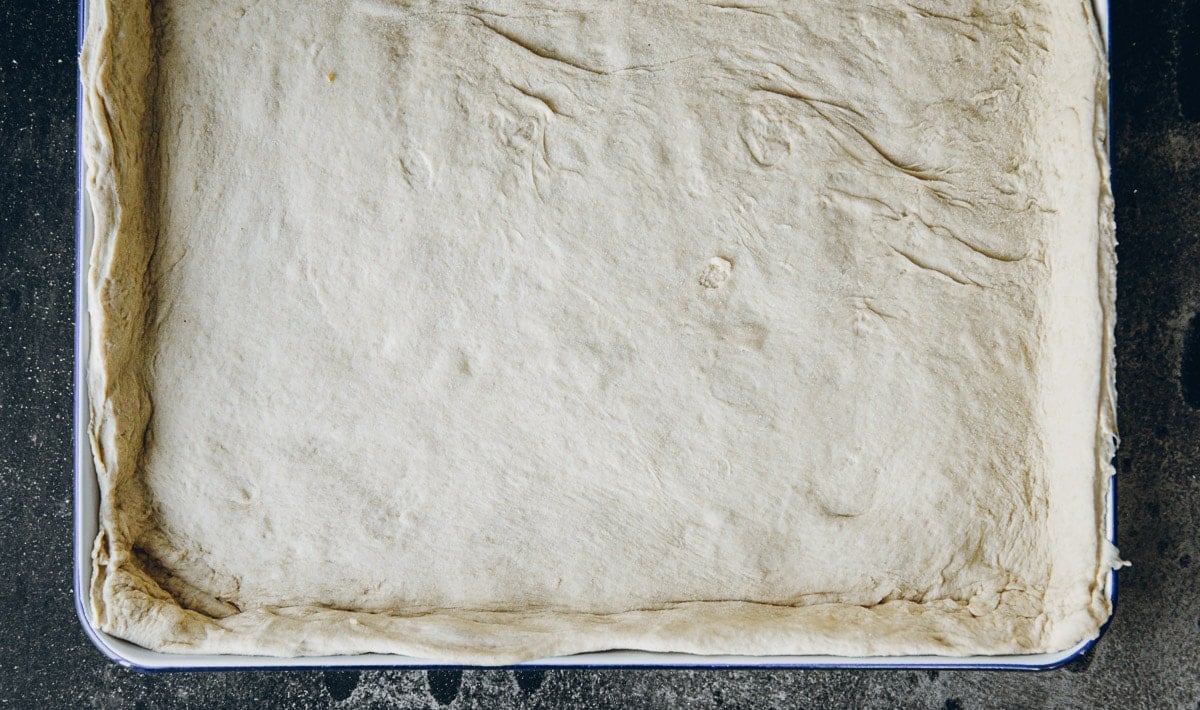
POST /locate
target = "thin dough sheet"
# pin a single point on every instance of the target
(494, 331)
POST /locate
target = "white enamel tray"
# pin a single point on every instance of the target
(87, 510)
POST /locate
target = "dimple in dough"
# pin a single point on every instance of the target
(494, 331)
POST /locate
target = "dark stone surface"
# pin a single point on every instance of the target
(1149, 658)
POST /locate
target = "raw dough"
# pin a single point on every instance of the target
(498, 330)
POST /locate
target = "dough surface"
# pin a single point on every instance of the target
(499, 330)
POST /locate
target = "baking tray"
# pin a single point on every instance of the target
(129, 655)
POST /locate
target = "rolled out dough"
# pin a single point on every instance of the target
(499, 330)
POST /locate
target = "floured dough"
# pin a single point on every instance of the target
(498, 330)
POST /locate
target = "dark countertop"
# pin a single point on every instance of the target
(1150, 656)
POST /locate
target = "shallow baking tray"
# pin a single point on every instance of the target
(129, 655)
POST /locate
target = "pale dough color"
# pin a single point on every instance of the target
(498, 330)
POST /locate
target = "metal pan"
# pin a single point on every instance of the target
(124, 653)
